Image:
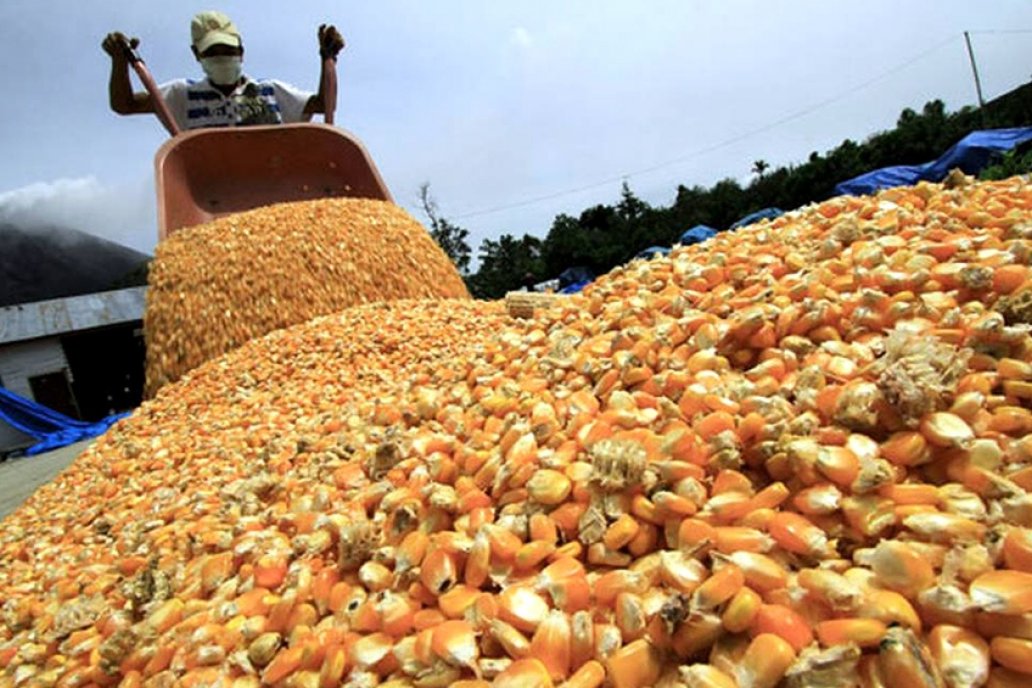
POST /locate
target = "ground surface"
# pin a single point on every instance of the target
(20, 477)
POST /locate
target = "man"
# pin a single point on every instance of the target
(226, 96)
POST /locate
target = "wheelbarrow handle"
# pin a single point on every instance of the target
(330, 89)
(160, 106)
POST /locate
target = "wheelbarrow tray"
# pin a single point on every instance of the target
(206, 173)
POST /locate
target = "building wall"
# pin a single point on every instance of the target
(21, 360)
(11, 439)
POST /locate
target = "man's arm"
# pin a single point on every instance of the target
(120, 91)
(330, 44)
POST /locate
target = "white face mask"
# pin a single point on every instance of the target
(224, 70)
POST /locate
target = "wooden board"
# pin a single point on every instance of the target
(522, 304)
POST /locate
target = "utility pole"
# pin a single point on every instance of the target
(974, 69)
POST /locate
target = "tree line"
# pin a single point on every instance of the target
(604, 236)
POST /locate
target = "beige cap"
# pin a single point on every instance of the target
(213, 28)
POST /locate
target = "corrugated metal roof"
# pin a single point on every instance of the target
(58, 316)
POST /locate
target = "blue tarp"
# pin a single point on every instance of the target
(572, 280)
(765, 214)
(50, 428)
(652, 251)
(696, 234)
(575, 275)
(574, 287)
(971, 154)
(974, 152)
(884, 178)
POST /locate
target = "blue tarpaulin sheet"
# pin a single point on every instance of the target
(50, 428)
(576, 275)
(574, 287)
(572, 280)
(971, 154)
(765, 214)
(884, 178)
(651, 252)
(696, 234)
(975, 151)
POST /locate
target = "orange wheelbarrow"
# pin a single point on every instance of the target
(206, 173)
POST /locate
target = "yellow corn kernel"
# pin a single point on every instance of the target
(636, 665)
(1018, 389)
(905, 661)
(765, 662)
(718, 588)
(552, 644)
(890, 608)
(1013, 653)
(705, 676)
(900, 568)
(1014, 369)
(730, 539)
(522, 673)
(821, 499)
(696, 633)
(741, 610)
(860, 632)
(590, 675)
(945, 429)
(961, 655)
(999, 677)
(1006, 592)
(795, 533)
(533, 553)
(621, 532)
(549, 487)
(761, 572)
(945, 528)
(832, 588)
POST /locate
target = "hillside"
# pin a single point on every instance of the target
(53, 262)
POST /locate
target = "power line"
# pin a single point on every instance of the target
(722, 144)
(1000, 31)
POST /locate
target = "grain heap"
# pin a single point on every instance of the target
(215, 286)
(798, 454)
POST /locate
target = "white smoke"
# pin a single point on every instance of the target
(122, 213)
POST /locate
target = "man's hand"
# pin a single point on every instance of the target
(120, 90)
(114, 44)
(330, 41)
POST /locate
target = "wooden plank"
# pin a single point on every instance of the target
(523, 304)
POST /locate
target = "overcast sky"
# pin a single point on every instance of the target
(501, 104)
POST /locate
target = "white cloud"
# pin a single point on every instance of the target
(123, 213)
(521, 38)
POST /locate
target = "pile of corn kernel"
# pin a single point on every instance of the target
(215, 286)
(798, 454)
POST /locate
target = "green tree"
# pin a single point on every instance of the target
(635, 225)
(450, 238)
(505, 265)
(567, 244)
(1018, 161)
